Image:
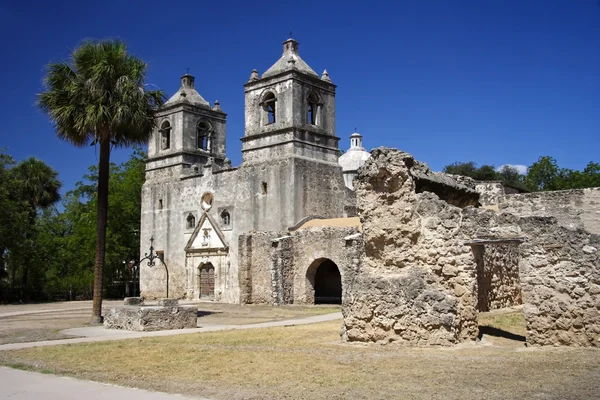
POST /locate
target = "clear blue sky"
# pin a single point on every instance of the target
(492, 81)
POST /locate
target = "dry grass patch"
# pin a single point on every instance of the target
(310, 362)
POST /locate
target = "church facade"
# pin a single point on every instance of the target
(197, 207)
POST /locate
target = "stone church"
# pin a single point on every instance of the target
(412, 255)
(196, 206)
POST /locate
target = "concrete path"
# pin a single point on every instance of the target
(99, 334)
(27, 309)
(23, 385)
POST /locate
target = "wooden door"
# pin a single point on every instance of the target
(207, 281)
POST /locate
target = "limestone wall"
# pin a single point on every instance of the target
(560, 281)
(278, 268)
(578, 208)
(255, 267)
(498, 283)
(416, 280)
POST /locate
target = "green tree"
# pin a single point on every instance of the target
(38, 186)
(486, 173)
(13, 224)
(100, 97)
(544, 174)
(509, 174)
(462, 168)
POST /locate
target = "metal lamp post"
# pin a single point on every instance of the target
(153, 256)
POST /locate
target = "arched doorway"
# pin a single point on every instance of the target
(206, 281)
(326, 281)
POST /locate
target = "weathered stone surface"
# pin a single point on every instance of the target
(498, 279)
(418, 282)
(133, 301)
(560, 283)
(148, 318)
(168, 302)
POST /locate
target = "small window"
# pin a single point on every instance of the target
(264, 188)
(225, 218)
(160, 204)
(269, 108)
(165, 135)
(203, 132)
(190, 221)
(313, 109)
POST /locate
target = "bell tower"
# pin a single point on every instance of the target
(289, 112)
(189, 133)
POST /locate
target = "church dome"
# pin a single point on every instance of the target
(356, 155)
(187, 93)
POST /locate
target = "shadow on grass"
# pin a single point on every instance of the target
(205, 313)
(490, 330)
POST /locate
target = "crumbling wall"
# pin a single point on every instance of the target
(416, 280)
(498, 282)
(560, 281)
(317, 243)
(254, 271)
(578, 208)
(282, 270)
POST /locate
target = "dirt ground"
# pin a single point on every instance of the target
(37, 322)
(310, 362)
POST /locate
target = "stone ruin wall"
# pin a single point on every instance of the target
(560, 282)
(254, 271)
(498, 280)
(577, 208)
(416, 282)
(275, 267)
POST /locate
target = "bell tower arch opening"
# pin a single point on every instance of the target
(325, 282)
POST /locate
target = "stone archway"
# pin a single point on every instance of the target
(206, 281)
(325, 281)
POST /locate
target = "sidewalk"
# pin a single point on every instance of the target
(24, 385)
(99, 334)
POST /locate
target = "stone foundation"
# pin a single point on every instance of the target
(142, 318)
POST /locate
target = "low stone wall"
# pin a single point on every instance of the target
(560, 281)
(151, 318)
(498, 282)
(573, 209)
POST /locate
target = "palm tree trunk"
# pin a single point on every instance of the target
(103, 175)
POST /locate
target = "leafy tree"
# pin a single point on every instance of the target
(486, 173)
(100, 97)
(462, 168)
(13, 223)
(509, 174)
(544, 174)
(37, 184)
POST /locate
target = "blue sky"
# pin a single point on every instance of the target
(490, 81)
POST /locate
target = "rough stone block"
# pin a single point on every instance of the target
(133, 301)
(168, 302)
(149, 318)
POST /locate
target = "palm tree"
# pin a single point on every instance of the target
(100, 97)
(37, 184)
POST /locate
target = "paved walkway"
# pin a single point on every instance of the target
(99, 334)
(23, 385)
